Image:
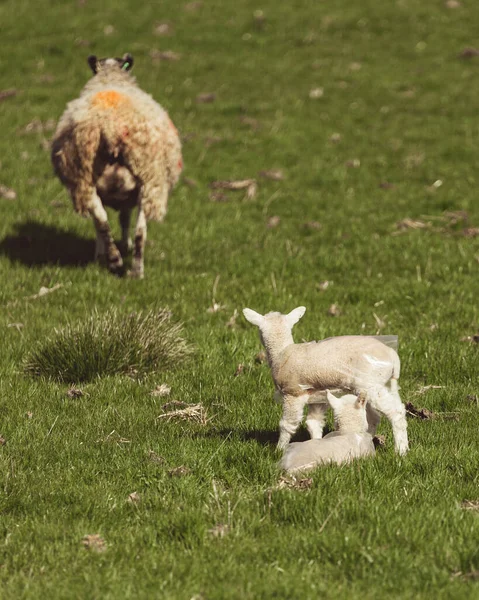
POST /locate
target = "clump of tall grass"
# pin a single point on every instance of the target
(111, 343)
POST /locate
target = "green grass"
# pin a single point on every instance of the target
(405, 106)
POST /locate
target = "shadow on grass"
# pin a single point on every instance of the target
(37, 244)
(265, 437)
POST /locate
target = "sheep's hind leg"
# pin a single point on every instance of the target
(137, 269)
(373, 419)
(104, 240)
(293, 408)
(126, 243)
(390, 404)
(316, 419)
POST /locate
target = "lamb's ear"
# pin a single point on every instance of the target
(295, 315)
(127, 62)
(361, 400)
(93, 62)
(253, 317)
(333, 401)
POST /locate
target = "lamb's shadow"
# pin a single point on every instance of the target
(37, 244)
(264, 437)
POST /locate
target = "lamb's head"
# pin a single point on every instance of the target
(349, 412)
(98, 65)
(275, 328)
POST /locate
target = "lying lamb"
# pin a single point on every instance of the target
(115, 146)
(302, 372)
(350, 441)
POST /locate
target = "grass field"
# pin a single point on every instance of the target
(370, 113)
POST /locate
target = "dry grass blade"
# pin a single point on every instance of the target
(156, 458)
(185, 412)
(164, 55)
(206, 98)
(4, 94)
(94, 542)
(290, 482)
(240, 184)
(273, 174)
(470, 505)
(7, 193)
(408, 223)
(161, 390)
(426, 388)
(180, 471)
(420, 413)
(219, 530)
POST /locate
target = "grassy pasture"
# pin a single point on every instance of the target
(391, 133)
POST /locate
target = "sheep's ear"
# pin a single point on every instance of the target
(127, 62)
(333, 401)
(93, 62)
(295, 315)
(361, 400)
(253, 317)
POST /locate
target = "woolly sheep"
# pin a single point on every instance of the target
(302, 372)
(350, 441)
(115, 146)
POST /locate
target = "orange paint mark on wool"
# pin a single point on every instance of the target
(110, 99)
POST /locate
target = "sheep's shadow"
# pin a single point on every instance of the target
(37, 244)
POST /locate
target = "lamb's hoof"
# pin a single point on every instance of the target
(116, 266)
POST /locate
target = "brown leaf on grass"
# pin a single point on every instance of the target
(240, 184)
(133, 498)
(386, 185)
(334, 310)
(219, 530)
(192, 183)
(184, 412)
(156, 458)
(273, 222)
(470, 232)
(469, 53)
(75, 392)
(312, 225)
(239, 370)
(379, 441)
(161, 390)
(3, 441)
(219, 196)
(323, 285)
(193, 6)
(353, 163)
(292, 483)
(180, 471)
(420, 413)
(160, 55)
(205, 97)
(250, 122)
(260, 358)
(470, 505)
(44, 291)
(273, 174)
(4, 94)
(7, 193)
(94, 542)
(162, 29)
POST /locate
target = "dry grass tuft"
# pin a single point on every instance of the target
(113, 343)
(185, 412)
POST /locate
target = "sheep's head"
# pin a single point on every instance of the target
(102, 64)
(274, 327)
(349, 412)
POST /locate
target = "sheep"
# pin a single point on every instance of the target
(115, 146)
(302, 372)
(350, 441)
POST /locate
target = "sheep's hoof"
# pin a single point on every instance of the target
(135, 274)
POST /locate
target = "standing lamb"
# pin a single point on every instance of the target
(115, 146)
(302, 372)
(350, 441)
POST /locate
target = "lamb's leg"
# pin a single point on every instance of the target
(373, 419)
(293, 409)
(125, 218)
(104, 241)
(316, 419)
(390, 404)
(137, 269)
